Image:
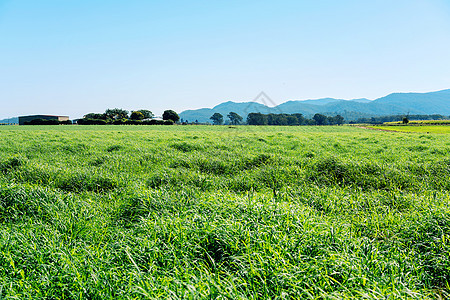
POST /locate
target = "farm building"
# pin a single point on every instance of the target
(24, 119)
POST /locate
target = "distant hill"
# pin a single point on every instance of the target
(324, 101)
(11, 120)
(393, 104)
(243, 108)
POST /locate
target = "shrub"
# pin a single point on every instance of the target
(91, 122)
(152, 122)
(119, 122)
(133, 122)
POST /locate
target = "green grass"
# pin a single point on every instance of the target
(415, 128)
(213, 212)
(420, 122)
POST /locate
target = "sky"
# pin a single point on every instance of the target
(73, 57)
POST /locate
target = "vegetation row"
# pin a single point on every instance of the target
(398, 118)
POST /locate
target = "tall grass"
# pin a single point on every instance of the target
(192, 212)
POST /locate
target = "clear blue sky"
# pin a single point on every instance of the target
(78, 56)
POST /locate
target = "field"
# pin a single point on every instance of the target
(414, 128)
(218, 212)
(421, 122)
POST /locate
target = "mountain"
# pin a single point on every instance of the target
(324, 101)
(10, 120)
(393, 104)
(428, 103)
(202, 115)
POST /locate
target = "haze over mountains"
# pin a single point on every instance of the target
(393, 104)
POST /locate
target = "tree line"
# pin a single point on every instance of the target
(118, 116)
(234, 118)
(278, 119)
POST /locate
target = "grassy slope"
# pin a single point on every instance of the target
(247, 212)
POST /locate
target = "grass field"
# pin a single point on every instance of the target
(416, 129)
(213, 212)
(420, 122)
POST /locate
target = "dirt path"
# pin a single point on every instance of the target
(378, 129)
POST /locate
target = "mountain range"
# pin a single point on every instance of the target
(392, 104)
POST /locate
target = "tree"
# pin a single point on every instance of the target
(300, 119)
(116, 113)
(338, 120)
(95, 116)
(277, 119)
(235, 119)
(405, 120)
(320, 119)
(170, 115)
(91, 122)
(217, 118)
(292, 120)
(137, 115)
(147, 114)
(256, 119)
